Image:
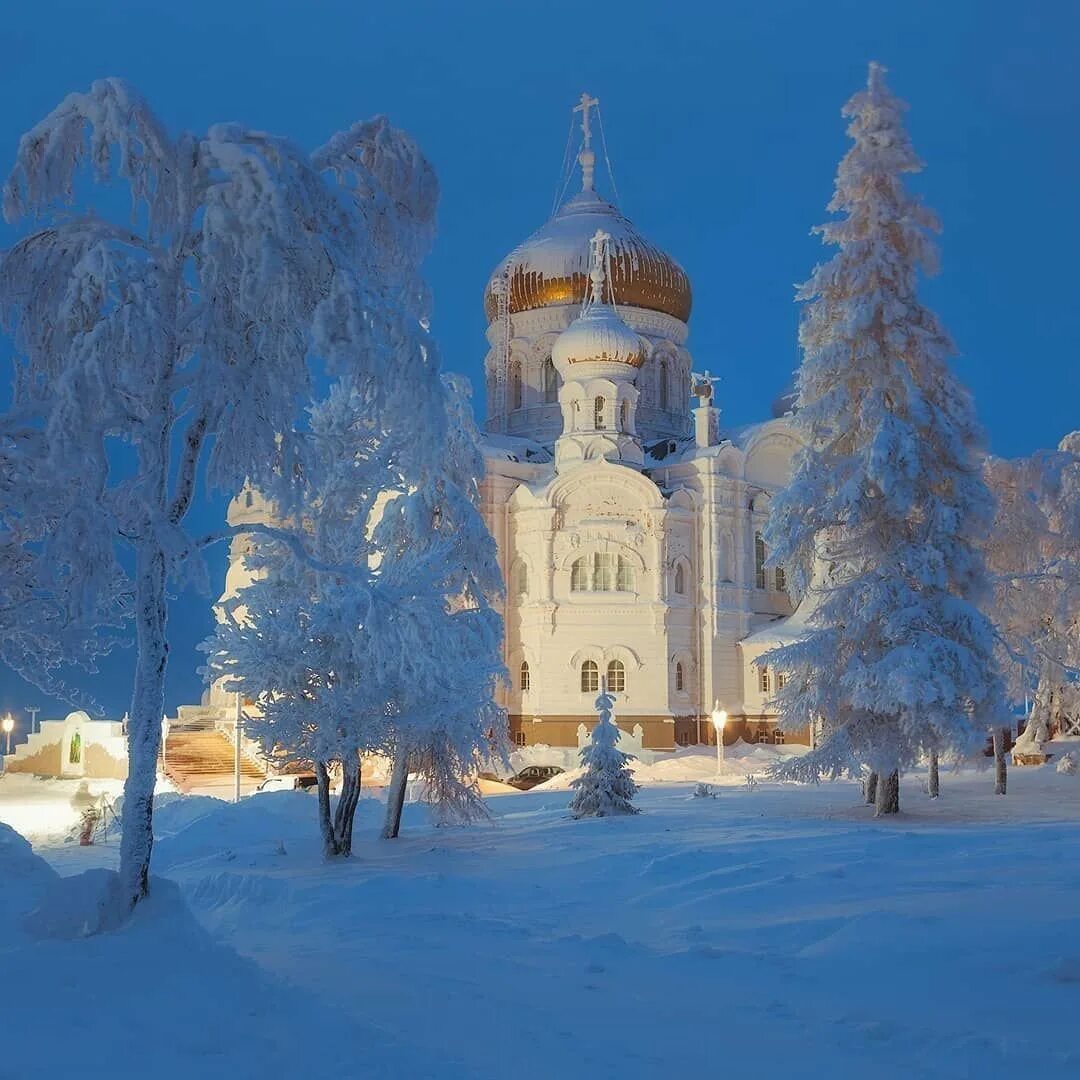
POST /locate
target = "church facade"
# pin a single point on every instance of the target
(628, 524)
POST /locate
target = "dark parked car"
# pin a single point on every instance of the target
(533, 775)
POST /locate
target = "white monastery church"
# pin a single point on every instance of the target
(627, 524)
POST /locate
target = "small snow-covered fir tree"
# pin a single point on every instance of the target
(887, 493)
(607, 787)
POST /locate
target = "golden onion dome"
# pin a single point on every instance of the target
(550, 269)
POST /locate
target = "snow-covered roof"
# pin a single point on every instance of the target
(514, 448)
(785, 630)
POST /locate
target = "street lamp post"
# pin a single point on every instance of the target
(719, 719)
(9, 726)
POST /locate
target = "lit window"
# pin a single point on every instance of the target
(678, 677)
(759, 560)
(579, 575)
(680, 580)
(616, 677)
(624, 416)
(778, 737)
(603, 572)
(598, 414)
(515, 386)
(525, 675)
(551, 382)
(781, 579)
(764, 682)
(521, 579)
(625, 575)
(590, 677)
(519, 738)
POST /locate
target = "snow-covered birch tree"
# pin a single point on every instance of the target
(434, 537)
(606, 787)
(1033, 552)
(161, 348)
(888, 491)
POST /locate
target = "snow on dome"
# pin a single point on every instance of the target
(550, 269)
(600, 339)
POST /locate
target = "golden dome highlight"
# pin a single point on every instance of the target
(551, 268)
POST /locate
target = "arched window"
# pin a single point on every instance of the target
(515, 386)
(525, 682)
(598, 414)
(579, 575)
(551, 382)
(616, 677)
(590, 677)
(680, 580)
(679, 686)
(663, 385)
(624, 416)
(781, 579)
(521, 579)
(764, 681)
(759, 560)
(781, 681)
(610, 573)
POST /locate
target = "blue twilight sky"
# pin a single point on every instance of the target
(722, 121)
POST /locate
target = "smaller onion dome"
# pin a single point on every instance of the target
(597, 342)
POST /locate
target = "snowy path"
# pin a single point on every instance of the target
(779, 932)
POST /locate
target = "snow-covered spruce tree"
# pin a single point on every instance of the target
(158, 351)
(887, 493)
(607, 787)
(1033, 552)
(433, 540)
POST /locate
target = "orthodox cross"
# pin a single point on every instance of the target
(586, 158)
(703, 387)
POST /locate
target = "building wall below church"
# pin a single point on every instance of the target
(658, 732)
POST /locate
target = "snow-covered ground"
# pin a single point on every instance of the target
(772, 931)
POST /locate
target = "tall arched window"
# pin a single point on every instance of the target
(680, 579)
(616, 677)
(551, 382)
(624, 416)
(521, 579)
(781, 579)
(679, 685)
(515, 386)
(598, 414)
(579, 575)
(525, 680)
(759, 560)
(625, 576)
(663, 385)
(590, 677)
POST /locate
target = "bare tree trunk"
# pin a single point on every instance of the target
(933, 785)
(888, 795)
(1000, 767)
(395, 802)
(347, 802)
(144, 727)
(326, 825)
(869, 788)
